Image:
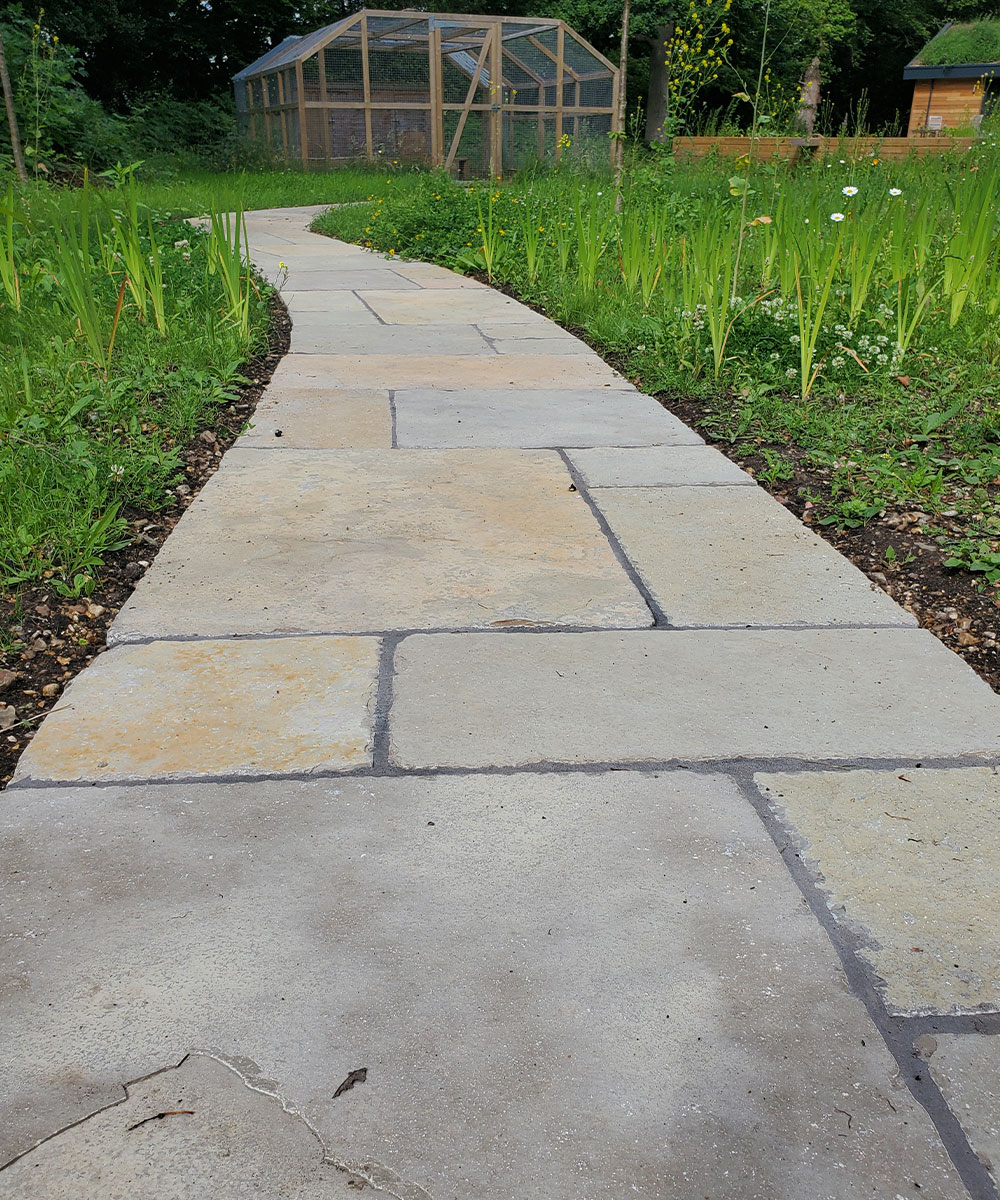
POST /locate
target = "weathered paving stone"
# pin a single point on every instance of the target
(311, 419)
(336, 308)
(657, 466)
(494, 417)
(746, 560)
(309, 338)
(966, 1067)
(221, 1139)
(527, 371)
(359, 541)
(441, 305)
(702, 694)
(559, 986)
(189, 709)
(430, 276)
(348, 278)
(910, 859)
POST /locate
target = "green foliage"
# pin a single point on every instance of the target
(975, 43)
(124, 335)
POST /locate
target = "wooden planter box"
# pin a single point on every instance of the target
(789, 149)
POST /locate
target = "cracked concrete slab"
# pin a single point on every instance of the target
(445, 306)
(658, 466)
(195, 1131)
(697, 695)
(336, 310)
(497, 417)
(527, 371)
(361, 541)
(388, 339)
(909, 860)
(190, 709)
(739, 557)
(966, 1067)
(313, 419)
(633, 999)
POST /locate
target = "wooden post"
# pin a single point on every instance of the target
(300, 88)
(560, 50)
(576, 117)
(366, 82)
(324, 112)
(469, 98)
(15, 135)
(436, 90)
(284, 115)
(496, 100)
(619, 120)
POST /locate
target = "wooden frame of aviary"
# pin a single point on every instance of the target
(472, 94)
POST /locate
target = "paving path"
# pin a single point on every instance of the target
(492, 793)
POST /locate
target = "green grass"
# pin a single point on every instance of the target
(978, 42)
(192, 193)
(123, 333)
(866, 348)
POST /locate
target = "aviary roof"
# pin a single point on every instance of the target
(959, 51)
(459, 33)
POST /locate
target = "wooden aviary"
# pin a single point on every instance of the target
(472, 94)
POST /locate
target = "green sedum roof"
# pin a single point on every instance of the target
(971, 42)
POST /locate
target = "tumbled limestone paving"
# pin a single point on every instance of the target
(485, 795)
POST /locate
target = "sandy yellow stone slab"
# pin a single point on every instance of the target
(912, 858)
(310, 418)
(966, 1067)
(448, 371)
(448, 305)
(361, 541)
(197, 709)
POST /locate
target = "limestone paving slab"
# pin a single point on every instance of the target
(658, 466)
(187, 709)
(966, 1067)
(528, 372)
(336, 278)
(443, 305)
(309, 338)
(309, 418)
(560, 986)
(429, 275)
(688, 695)
(223, 1139)
(738, 557)
(328, 306)
(360, 541)
(542, 416)
(910, 859)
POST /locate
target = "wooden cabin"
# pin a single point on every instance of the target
(956, 79)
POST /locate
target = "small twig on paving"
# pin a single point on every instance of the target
(177, 1112)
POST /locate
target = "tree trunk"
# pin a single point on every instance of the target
(656, 98)
(805, 118)
(15, 136)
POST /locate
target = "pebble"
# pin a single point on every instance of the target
(208, 437)
(7, 679)
(8, 715)
(182, 489)
(50, 689)
(95, 610)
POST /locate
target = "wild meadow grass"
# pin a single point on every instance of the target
(121, 330)
(846, 309)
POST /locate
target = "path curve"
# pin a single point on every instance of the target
(481, 727)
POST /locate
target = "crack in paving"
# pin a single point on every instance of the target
(373, 1174)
